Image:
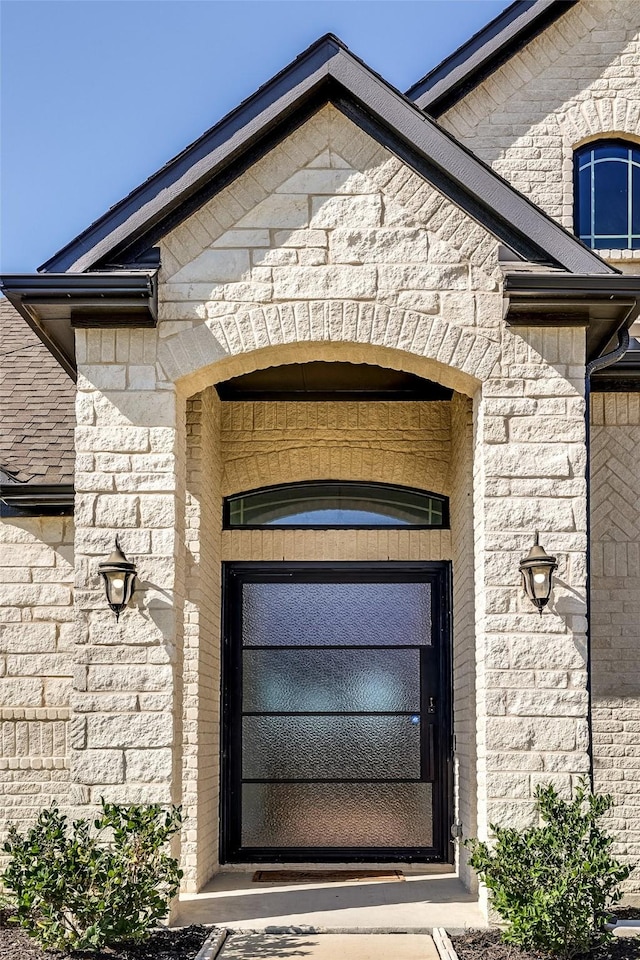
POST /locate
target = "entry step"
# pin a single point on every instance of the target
(329, 946)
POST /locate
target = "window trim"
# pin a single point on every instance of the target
(583, 158)
(300, 485)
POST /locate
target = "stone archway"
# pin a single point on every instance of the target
(347, 330)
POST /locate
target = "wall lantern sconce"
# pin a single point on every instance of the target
(119, 576)
(537, 575)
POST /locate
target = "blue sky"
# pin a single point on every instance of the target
(98, 94)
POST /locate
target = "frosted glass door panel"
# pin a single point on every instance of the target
(331, 681)
(339, 747)
(337, 815)
(334, 698)
(336, 614)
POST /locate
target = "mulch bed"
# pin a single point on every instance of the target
(180, 944)
(487, 945)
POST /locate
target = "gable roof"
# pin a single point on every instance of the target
(487, 50)
(37, 403)
(327, 71)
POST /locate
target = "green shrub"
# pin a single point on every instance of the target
(553, 884)
(84, 886)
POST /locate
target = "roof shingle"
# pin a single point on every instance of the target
(37, 415)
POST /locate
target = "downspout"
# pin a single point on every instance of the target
(599, 363)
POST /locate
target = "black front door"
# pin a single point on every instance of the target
(336, 712)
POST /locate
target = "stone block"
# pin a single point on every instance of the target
(215, 266)
(34, 594)
(130, 677)
(422, 277)
(157, 511)
(28, 638)
(116, 511)
(332, 181)
(307, 283)
(311, 256)
(540, 429)
(112, 439)
(300, 238)
(141, 377)
(519, 513)
(38, 665)
(129, 730)
(547, 703)
(517, 815)
(523, 733)
(99, 766)
(148, 765)
(360, 211)
(21, 692)
(107, 376)
(243, 238)
(420, 301)
(378, 246)
(104, 702)
(281, 210)
(274, 257)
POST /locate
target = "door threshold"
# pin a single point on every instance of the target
(432, 869)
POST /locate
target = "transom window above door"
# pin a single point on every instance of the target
(331, 503)
(607, 195)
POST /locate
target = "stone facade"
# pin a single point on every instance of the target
(575, 82)
(332, 248)
(36, 653)
(328, 282)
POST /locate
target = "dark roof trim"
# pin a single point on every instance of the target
(327, 71)
(602, 304)
(34, 495)
(53, 304)
(487, 50)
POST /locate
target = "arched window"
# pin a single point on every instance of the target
(331, 503)
(607, 195)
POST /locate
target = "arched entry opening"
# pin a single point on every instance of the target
(317, 428)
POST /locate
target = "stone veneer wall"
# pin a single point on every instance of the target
(36, 644)
(615, 612)
(125, 734)
(576, 81)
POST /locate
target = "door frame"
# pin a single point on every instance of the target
(234, 574)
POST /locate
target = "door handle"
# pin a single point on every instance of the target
(432, 706)
(428, 764)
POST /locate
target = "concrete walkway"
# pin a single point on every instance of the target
(270, 946)
(416, 904)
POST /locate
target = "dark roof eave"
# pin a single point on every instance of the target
(486, 51)
(603, 305)
(34, 495)
(53, 304)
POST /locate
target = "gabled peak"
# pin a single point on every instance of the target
(487, 50)
(327, 72)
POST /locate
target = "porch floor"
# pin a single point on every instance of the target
(422, 901)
